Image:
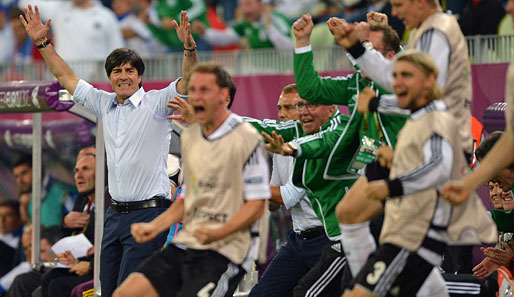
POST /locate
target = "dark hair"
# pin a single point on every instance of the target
(52, 234)
(390, 39)
(487, 144)
(23, 160)
(122, 56)
(231, 90)
(12, 204)
(290, 88)
(223, 79)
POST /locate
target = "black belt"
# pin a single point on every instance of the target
(126, 207)
(311, 233)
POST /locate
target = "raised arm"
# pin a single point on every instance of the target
(190, 56)
(37, 31)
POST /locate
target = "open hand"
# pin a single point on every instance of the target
(184, 30)
(499, 256)
(276, 144)
(34, 26)
(485, 268)
(185, 110)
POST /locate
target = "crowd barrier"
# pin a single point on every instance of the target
(482, 50)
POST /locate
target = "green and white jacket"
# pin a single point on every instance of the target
(345, 90)
(312, 161)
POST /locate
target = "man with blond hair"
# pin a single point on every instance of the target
(418, 223)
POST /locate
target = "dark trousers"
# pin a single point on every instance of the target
(24, 284)
(59, 282)
(324, 279)
(291, 263)
(121, 254)
(466, 285)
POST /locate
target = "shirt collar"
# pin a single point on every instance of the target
(228, 125)
(135, 99)
(434, 105)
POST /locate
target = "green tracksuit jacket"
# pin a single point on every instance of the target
(312, 162)
(345, 91)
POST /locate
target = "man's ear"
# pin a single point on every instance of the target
(430, 81)
(390, 54)
(224, 94)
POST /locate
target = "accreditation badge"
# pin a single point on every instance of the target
(366, 154)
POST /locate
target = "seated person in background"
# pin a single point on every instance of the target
(56, 197)
(25, 284)
(60, 281)
(262, 27)
(11, 228)
(502, 253)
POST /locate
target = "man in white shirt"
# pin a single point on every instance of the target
(307, 239)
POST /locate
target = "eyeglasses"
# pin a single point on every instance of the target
(369, 45)
(310, 106)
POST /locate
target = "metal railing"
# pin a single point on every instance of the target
(482, 49)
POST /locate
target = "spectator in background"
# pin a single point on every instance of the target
(6, 38)
(60, 281)
(26, 283)
(163, 12)
(83, 29)
(136, 33)
(25, 50)
(11, 228)
(261, 26)
(481, 17)
(57, 198)
(228, 6)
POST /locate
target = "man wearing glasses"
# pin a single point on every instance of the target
(312, 138)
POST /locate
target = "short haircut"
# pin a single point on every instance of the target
(223, 79)
(122, 56)
(291, 88)
(487, 144)
(15, 205)
(52, 234)
(23, 160)
(390, 39)
(426, 64)
(231, 90)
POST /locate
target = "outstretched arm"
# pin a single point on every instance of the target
(498, 158)
(37, 31)
(190, 56)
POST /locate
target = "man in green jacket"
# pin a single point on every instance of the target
(313, 136)
(373, 127)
